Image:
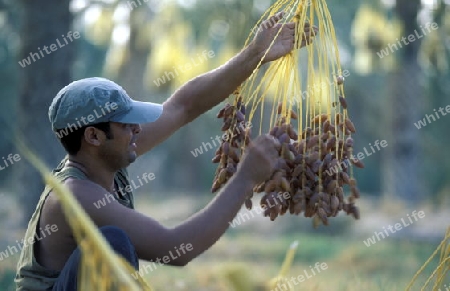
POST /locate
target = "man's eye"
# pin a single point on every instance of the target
(130, 125)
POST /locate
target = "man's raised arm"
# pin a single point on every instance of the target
(205, 91)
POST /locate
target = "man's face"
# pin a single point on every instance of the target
(120, 151)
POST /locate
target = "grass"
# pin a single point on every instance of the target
(250, 255)
(389, 265)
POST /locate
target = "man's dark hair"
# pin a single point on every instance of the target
(72, 141)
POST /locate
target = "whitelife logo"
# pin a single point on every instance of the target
(147, 177)
(168, 76)
(318, 88)
(407, 40)
(11, 250)
(10, 160)
(242, 217)
(53, 47)
(398, 226)
(294, 281)
(199, 151)
(358, 157)
(181, 250)
(85, 120)
(430, 118)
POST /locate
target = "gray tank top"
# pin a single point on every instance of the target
(31, 276)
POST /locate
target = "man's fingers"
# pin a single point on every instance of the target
(272, 21)
(290, 25)
(310, 31)
(307, 36)
(307, 30)
(272, 145)
(277, 17)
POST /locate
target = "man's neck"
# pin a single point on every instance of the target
(94, 170)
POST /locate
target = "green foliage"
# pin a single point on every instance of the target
(220, 24)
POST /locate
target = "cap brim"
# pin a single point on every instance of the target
(140, 112)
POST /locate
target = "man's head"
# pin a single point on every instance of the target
(97, 115)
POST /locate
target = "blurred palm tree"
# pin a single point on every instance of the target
(401, 175)
(43, 23)
(379, 33)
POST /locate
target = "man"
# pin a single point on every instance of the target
(104, 131)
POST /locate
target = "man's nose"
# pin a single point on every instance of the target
(136, 128)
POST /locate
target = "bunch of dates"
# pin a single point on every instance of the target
(312, 170)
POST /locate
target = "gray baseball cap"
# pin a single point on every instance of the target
(94, 100)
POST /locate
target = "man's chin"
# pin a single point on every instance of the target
(132, 158)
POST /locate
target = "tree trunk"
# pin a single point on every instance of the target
(400, 166)
(132, 70)
(43, 23)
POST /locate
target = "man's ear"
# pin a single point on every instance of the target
(93, 136)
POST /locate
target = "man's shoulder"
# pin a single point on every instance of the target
(84, 187)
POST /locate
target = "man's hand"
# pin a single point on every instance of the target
(285, 41)
(259, 159)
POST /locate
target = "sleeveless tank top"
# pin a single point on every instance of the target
(31, 276)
